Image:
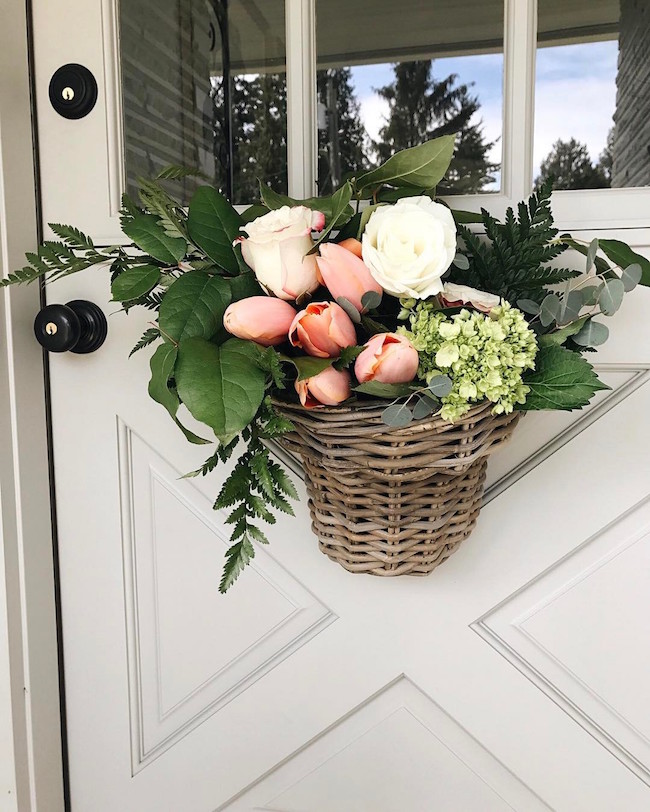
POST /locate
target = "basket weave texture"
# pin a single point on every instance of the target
(390, 501)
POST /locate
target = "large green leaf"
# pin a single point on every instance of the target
(134, 282)
(307, 365)
(223, 386)
(422, 167)
(194, 306)
(213, 226)
(162, 368)
(327, 205)
(621, 254)
(243, 286)
(377, 389)
(602, 266)
(562, 380)
(340, 201)
(147, 233)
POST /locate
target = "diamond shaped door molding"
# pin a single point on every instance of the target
(396, 750)
(579, 631)
(190, 650)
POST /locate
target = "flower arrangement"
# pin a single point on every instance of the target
(376, 293)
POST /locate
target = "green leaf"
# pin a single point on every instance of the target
(175, 172)
(622, 255)
(347, 356)
(550, 309)
(150, 335)
(388, 195)
(162, 368)
(213, 226)
(147, 233)
(371, 299)
(562, 380)
(592, 334)
(327, 205)
(253, 212)
(570, 306)
(366, 214)
(592, 250)
(340, 201)
(631, 276)
(423, 408)
(134, 282)
(308, 366)
(558, 337)
(611, 296)
(222, 386)
(390, 391)
(461, 262)
(194, 306)
(237, 558)
(591, 294)
(397, 415)
(466, 217)
(528, 306)
(422, 167)
(350, 229)
(440, 385)
(602, 266)
(243, 286)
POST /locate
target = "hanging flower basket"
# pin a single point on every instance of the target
(393, 501)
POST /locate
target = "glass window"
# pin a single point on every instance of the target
(392, 75)
(592, 95)
(204, 85)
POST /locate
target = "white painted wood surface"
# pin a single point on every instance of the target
(308, 688)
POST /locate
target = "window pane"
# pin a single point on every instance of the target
(204, 85)
(392, 75)
(592, 96)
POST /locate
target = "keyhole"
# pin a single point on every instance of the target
(67, 93)
(50, 328)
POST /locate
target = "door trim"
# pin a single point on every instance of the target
(31, 752)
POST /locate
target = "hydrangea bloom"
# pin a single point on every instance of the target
(484, 355)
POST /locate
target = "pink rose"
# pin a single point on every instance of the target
(456, 295)
(322, 329)
(387, 358)
(328, 388)
(345, 274)
(262, 319)
(276, 249)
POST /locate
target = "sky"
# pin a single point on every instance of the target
(575, 94)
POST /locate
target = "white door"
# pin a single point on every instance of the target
(514, 677)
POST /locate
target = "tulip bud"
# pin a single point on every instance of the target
(262, 319)
(345, 274)
(352, 245)
(387, 358)
(329, 388)
(322, 329)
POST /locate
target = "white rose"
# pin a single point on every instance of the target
(409, 246)
(275, 249)
(478, 299)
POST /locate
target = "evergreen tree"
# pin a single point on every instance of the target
(570, 167)
(422, 107)
(341, 146)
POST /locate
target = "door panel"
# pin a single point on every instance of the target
(513, 677)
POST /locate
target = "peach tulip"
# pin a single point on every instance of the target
(345, 274)
(261, 319)
(322, 329)
(329, 388)
(387, 358)
(352, 245)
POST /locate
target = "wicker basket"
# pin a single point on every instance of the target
(389, 501)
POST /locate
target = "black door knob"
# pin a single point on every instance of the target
(73, 91)
(77, 326)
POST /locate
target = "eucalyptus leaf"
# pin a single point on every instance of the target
(147, 233)
(461, 262)
(570, 307)
(350, 309)
(213, 225)
(592, 250)
(528, 306)
(622, 255)
(591, 294)
(162, 369)
(135, 282)
(560, 336)
(423, 408)
(592, 334)
(397, 415)
(421, 167)
(602, 266)
(549, 309)
(440, 385)
(631, 276)
(562, 379)
(611, 296)
(389, 391)
(194, 306)
(223, 386)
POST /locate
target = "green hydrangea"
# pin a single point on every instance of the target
(484, 355)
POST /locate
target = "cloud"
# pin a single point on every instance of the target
(374, 112)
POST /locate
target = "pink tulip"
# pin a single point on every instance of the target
(322, 329)
(352, 245)
(328, 388)
(261, 319)
(387, 358)
(345, 274)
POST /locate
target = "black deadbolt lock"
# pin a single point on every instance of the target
(73, 91)
(79, 326)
